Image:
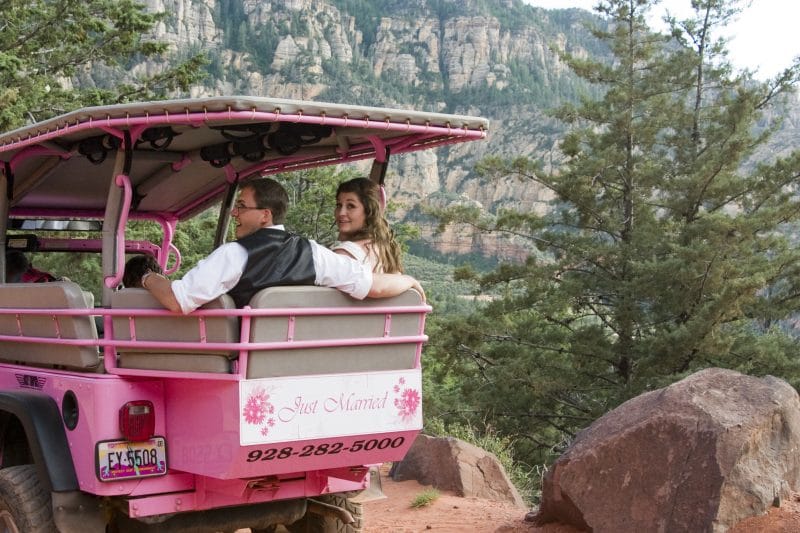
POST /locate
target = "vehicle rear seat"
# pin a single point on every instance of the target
(334, 359)
(54, 295)
(174, 328)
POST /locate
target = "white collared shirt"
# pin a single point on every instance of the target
(221, 270)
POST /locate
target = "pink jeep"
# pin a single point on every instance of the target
(224, 418)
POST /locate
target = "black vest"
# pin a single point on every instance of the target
(274, 257)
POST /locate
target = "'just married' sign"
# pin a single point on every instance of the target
(311, 407)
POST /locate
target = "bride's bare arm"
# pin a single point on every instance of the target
(386, 285)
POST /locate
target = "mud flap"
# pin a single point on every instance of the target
(375, 489)
(78, 512)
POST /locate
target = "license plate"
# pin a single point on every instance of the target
(121, 459)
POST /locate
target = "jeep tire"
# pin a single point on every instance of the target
(314, 523)
(25, 506)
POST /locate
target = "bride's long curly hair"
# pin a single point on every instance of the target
(376, 230)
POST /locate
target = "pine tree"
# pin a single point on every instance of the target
(45, 45)
(665, 251)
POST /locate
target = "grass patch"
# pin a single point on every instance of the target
(425, 498)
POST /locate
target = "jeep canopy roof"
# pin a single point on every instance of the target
(185, 153)
(169, 160)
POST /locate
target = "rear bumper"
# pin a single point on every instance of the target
(77, 512)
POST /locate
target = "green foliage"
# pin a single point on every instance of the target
(425, 498)
(444, 292)
(44, 41)
(663, 253)
(229, 15)
(194, 238)
(423, 248)
(82, 268)
(262, 47)
(297, 71)
(258, 41)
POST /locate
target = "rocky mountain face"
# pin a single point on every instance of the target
(493, 58)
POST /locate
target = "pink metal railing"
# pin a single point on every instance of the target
(110, 344)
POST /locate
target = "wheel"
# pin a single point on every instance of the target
(25, 505)
(15, 446)
(315, 523)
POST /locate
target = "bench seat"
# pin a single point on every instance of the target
(53, 295)
(174, 328)
(331, 359)
(285, 328)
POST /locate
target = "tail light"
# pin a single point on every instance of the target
(137, 420)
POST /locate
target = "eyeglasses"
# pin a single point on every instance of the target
(239, 208)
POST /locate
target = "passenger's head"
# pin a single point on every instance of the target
(262, 202)
(16, 265)
(358, 209)
(136, 267)
(359, 216)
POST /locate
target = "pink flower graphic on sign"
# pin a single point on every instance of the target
(408, 401)
(257, 407)
(265, 428)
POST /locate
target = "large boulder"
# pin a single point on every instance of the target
(448, 463)
(699, 455)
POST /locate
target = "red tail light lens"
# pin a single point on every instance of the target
(137, 420)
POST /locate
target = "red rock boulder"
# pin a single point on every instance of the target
(699, 455)
(448, 463)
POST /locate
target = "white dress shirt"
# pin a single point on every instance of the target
(221, 270)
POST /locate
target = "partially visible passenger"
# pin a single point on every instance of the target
(364, 234)
(20, 270)
(136, 267)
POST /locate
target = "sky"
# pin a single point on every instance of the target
(764, 39)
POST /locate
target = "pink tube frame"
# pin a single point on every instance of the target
(110, 344)
(423, 137)
(138, 124)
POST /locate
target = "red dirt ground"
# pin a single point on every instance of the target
(450, 513)
(447, 513)
(783, 519)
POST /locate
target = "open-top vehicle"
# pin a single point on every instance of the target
(224, 418)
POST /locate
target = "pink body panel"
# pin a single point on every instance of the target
(204, 439)
(99, 398)
(207, 466)
(200, 416)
